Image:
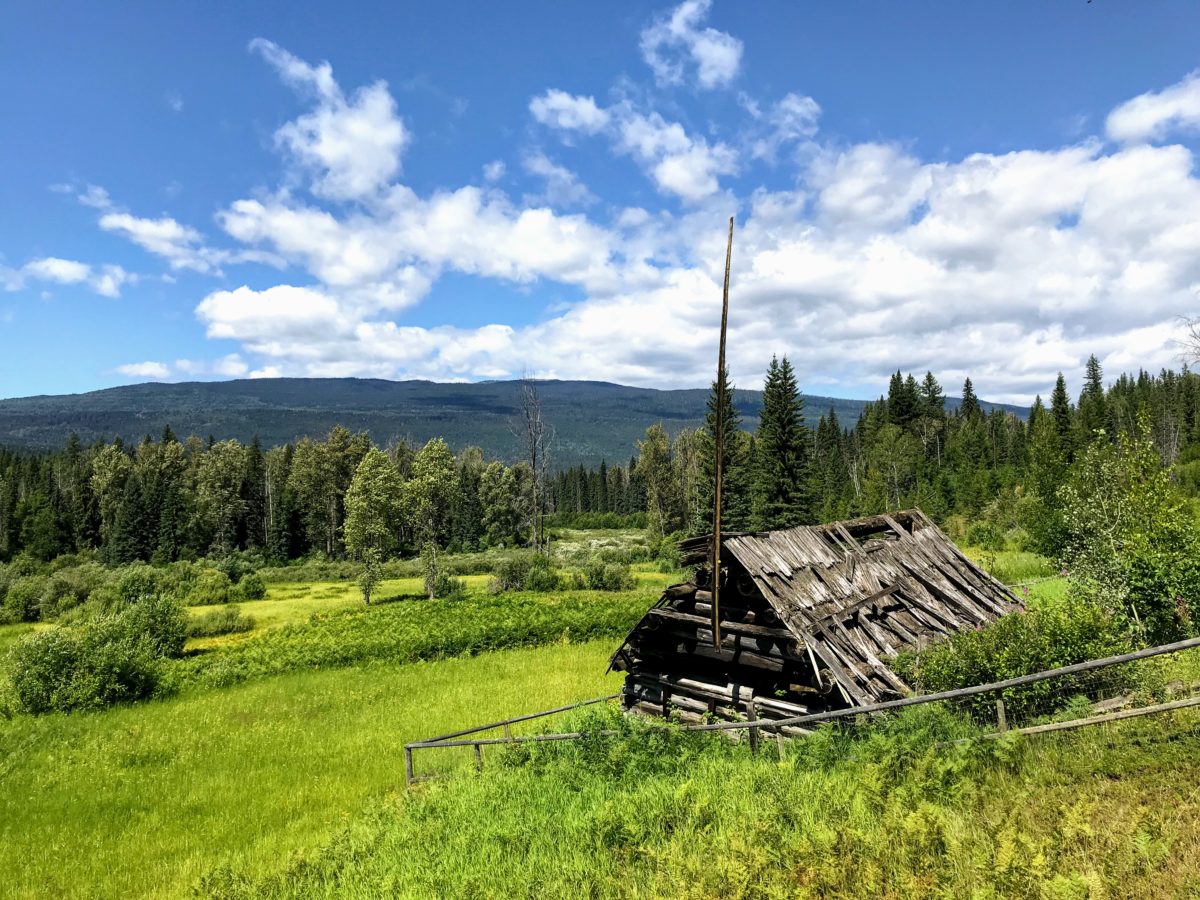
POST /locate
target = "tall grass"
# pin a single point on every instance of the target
(419, 630)
(659, 815)
(143, 800)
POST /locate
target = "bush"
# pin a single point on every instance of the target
(23, 598)
(525, 573)
(602, 575)
(1059, 633)
(986, 535)
(226, 620)
(446, 587)
(251, 587)
(159, 621)
(62, 669)
(209, 587)
(70, 587)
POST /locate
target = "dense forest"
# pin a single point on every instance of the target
(166, 499)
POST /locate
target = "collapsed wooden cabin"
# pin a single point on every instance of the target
(809, 618)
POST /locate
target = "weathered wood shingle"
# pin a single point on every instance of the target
(854, 594)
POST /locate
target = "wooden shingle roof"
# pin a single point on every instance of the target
(859, 592)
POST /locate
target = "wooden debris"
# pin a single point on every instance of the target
(812, 617)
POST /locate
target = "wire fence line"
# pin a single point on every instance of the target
(1155, 681)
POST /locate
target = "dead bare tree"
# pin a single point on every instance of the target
(1190, 342)
(536, 436)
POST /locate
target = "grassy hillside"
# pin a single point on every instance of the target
(144, 800)
(592, 420)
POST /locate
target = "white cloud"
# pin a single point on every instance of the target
(791, 119)
(679, 163)
(859, 258)
(672, 42)
(155, 371)
(1153, 115)
(558, 109)
(174, 101)
(181, 246)
(563, 187)
(105, 280)
(351, 146)
(63, 271)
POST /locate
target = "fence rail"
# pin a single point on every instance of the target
(1092, 692)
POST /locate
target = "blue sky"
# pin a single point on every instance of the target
(473, 191)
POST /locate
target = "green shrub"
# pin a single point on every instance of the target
(605, 575)
(22, 601)
(206, 588)
(62, 669)
(159, 621)
(985, 535)
(1069, 630)
(525, 573)
(251, 587)
(228, 619)
(447, 587)
(111, 658)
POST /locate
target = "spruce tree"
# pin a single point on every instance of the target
(781, 479)
(969, 408)
(1092, 413)
(735, 494)
(1060, 412)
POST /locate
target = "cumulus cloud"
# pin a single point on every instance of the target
(790, 119)
(1153, 115)
(679, 163)
(155, 371)
(853, 258)
(558, 109)
(672, 44)
(105, 280)
(351, 146)
(563, 187)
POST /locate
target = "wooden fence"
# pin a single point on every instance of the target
(799, 725)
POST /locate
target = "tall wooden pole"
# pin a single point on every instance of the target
(719, 452)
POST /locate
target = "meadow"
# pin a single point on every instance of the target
(275, 767)
(143, 800)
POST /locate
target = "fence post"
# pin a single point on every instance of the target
(1001, 717)
(408, 767)
(507, 732)
(753, 717)
(479, 757)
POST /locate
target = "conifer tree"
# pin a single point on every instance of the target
(1061, 413)
(735, 477)
(969, 408)
(781, 478)
(1092, 413)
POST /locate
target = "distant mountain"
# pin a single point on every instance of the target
(592, 420)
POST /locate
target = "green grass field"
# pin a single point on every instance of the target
(144, 799)
(1100, 814)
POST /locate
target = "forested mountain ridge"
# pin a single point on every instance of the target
(592, 420)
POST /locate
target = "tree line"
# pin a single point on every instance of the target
(166, 499)
(995, 470)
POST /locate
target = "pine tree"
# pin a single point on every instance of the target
(781, 478)
(969, 408)
(1093, 415)
(735, 477)
(1061, 413)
